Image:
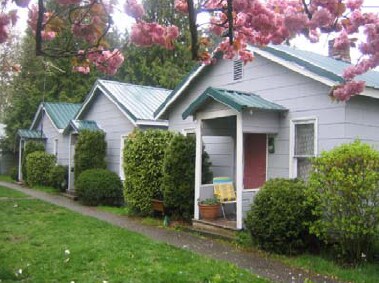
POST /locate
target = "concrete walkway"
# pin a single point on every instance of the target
(256, 263)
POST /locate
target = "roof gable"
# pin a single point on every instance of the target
(233, 99)
(60, 113)
(136, 102)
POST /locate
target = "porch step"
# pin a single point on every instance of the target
(218, 229)
(70, 195)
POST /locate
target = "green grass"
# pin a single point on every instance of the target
(6, 178)
(122, 211)
(35, 235)
(7, 193)
(367, 273)
(46, 189)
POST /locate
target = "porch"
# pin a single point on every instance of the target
(236, 130)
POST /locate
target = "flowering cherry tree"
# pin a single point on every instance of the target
(80, 26)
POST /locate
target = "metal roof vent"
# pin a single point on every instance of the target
(237, 70)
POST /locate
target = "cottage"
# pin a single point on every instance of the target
(266, 119)
(117, 109)
(48, 126)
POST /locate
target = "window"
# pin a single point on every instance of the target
(303, 146)
(189, 132)
(237, 70)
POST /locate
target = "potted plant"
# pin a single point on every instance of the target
(209, 208)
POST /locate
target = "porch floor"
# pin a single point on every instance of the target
(219, 227)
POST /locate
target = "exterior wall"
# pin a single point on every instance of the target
(362, 120)
(302, 96)
(53, 134)
(110, 119)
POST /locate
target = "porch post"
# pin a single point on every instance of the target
(239, 169)
(20, 160)
(69, 163)
(199, 151)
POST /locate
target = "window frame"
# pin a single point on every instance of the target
(293, 157)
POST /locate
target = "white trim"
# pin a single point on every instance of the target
(55, 148)
(216, 114)
(179, 92)
(121, 169)
(239, 169)
(69, 162)
(292, 159)
(250, 190)
(198, 162)
(36, 116)
(152, 123)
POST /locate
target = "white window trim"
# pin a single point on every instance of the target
(293, 158)
(121, 169)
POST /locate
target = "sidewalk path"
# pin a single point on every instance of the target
(254, 262)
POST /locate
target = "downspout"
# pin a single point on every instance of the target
(20, 160)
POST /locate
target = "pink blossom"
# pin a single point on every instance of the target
(106, 61)
(342, 41)
(134, 9)
(48, 35)
(354, 4)
(181, 6)
(81, 69)
(345, 91)
(295, 21)
(321, 18)
(4, 23)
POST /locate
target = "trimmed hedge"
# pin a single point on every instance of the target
(344, 189)
(179, 176)
(58, 177)
(99, 187)
(277, 220)
(30, 146)
(143, 166)
(38, 167)
(90, 151)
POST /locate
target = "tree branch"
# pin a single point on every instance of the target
(192, 15)
(41, 14)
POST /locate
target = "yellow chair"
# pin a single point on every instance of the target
(223, 190)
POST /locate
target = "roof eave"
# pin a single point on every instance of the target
(162, 123)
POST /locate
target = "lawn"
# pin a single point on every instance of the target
(7, 193)
(40, 242)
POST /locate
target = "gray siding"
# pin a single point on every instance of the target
(110, 119)
(53, 134)
(362, 120)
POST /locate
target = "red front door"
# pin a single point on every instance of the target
(255, 149)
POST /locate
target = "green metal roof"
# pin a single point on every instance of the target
(61, 113)
(80, 125)
(136, 101)
(234, 99)
(319, 64)
(30, 134)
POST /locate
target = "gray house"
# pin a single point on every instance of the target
(266, 119)
(48, 126)
(117, 109)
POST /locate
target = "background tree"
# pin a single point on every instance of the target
(158, 66)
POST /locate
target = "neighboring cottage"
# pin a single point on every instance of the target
(117, 109)
(8, 160)
(48, 126)
(266, 119)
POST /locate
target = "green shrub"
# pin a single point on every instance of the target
(143, 167)
(13, 173)
(58, 177)
(99, 187)
(344, 189)
(90, 151)
(179, 175)
(38, 167)
(278, 216)
(30, 146)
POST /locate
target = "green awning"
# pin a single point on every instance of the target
(234, 99)
(30, 134)
(80, 125)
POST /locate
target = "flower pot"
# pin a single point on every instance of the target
(209, 212)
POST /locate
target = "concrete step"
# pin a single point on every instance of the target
(70, 195)
(223, 230)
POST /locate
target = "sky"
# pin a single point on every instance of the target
(124, 22)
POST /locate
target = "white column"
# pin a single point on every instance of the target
(20, 160)
(69, 163)
(199, 151)
(239, 169)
